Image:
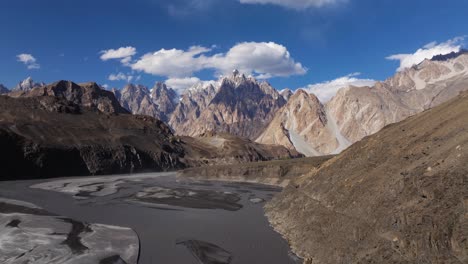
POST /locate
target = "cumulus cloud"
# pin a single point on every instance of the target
(263, 59)
(427, 52)
(182, 84)
(326, 90)
(296, 4)
(28, 60)
(124, 54)
(120, 77)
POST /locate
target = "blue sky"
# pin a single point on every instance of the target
(297, 42)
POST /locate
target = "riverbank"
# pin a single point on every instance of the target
(276, 173)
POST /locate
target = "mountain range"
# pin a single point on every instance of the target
(397, 196)
(245, 107)
(353, 113)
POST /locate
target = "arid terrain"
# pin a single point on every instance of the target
(399, 196)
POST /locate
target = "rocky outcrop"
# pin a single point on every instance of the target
(45, 136)
(356, 112)
(27, 85)
(137, 100)
(213, 148)
(165, 98)
(302, 124)
(286, 93)
(88, 95)
(276, 172)
(192, 103)
(399, 196)
(360, 112)
(159, 102)
(237, 104)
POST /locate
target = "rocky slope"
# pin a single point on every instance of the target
(159, 102)
(356, 112)
(302, 124)
(360, 112)
(237, 104)
(399, 196)
(286, 93)
(213, 148)
(88, 95)
(275, 172)
(45, 136)
(27, 85)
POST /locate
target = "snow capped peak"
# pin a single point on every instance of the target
(438, 69)
(27, 84)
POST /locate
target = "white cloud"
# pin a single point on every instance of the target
(326, 90)
(120, 77)
(173, 62)
(124, 54)
(29, 61)
(296, 4)
(263, 59)
(182, 84)
(427, 52)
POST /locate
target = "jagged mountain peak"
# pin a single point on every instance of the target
(286, 93)
(235, 104)
(159, 101)
(27, 85)
(452, 55)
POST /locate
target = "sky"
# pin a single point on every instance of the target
(313, 44)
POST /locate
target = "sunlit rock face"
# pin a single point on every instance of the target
(30, 234)
(389, 193)
(302, 124)
(236, 104)
(158, 102)
(364, 111)
(356, 112)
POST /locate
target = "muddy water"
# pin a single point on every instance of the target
(176, 221)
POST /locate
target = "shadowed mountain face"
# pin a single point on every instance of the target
(236, 104)
(48, 136)
(399, 196)
(3, 89)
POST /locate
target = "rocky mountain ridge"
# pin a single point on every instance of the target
(356, 112)
(398, 196)
(27, 85)
(68, 129)
(158, 102)
(236, 104)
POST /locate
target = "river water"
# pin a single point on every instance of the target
(177, 221)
